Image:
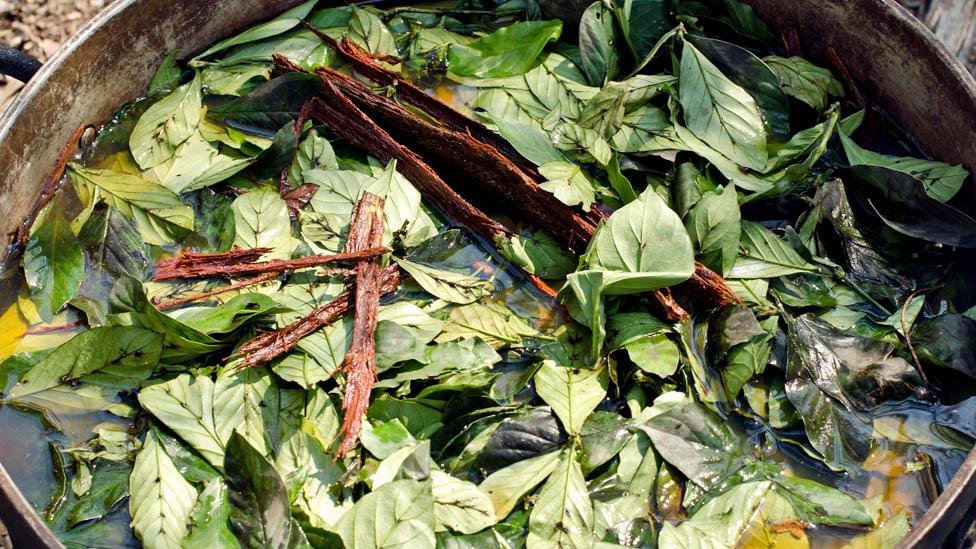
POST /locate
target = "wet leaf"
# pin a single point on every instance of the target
(509, 51)
(161, 499)
(53, 262)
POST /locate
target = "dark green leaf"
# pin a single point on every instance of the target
(271, 105)
(598, 38)
(508, 51)
(715, 229)
(53, 262)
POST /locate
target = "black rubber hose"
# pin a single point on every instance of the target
(17, 64)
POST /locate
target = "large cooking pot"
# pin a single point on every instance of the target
(893, 58)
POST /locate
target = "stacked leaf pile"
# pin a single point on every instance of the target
(444, 277)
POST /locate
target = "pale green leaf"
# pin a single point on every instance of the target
(160, 499)
(766, 256)
(368, 31)
(165, 125)
(447, 285)
(285, 21)
(261, 221)
(507, 486)
(714, 228)
(185, 404)
(399, 514)
(720, 112)
(562, 516)
(805, 81)
(572, 393)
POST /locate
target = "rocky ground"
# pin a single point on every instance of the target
(38, 27)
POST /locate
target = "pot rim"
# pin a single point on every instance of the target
(26, 527)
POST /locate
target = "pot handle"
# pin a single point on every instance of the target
(17, 64)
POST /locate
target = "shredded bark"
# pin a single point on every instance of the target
(359, 365)
(297, 198)
(362, 62)
(239, 262)
(791, 42)
(284, 184)
(270, 345)
(846, 76)
(171, 303)
(22, 234)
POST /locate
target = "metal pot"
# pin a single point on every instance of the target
(892, 57)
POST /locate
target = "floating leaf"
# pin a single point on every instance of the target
(572, 393)
(53, 262)
(165, 125)
(161, 499)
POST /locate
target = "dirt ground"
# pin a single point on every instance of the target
(38, 27)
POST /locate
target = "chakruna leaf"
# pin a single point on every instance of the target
(209, 519)
(165, 125)
(167, 76)
(765, 255)
(568, 183)
(719, 112)
(271, 105)
(941, 181)
(598, 37)
(260, 514)
(805, 81)
(109, 486)
(54, 265)
(744, 69)
(369, 32)
(539, 254)
(563, 513)
(643, 23)
(185, 404)
(497, 326)
(643, 246)
(572, 393)
(117, 357)
(506, 487)
(508, 51)
(157, 211)
(314, 152)
(715, 229)
(285, 21)
(447, 285)
(400, 514)
(460, 505)
(902, 203)
(261, 221)
(160, 498)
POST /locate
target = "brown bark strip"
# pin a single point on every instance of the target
(38, 330)
(708, 286)
(50, 187)
(362, 62)
(298, 197)
(469, 162)
(283, 183)
(791, 42)
(270, 345)
(339, 113)
(365, 232)
(169, 304)
(845, 75)
(192, 265)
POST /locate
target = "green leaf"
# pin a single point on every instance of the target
(261, 221)
(249, 404)
(598, 36)
(820, 504)
(646, 129)
(167, 76)
(271, 105)
(285, 21)
(506, 487)
(539, 254)
(260, 514)
(210, 520)
(54, 265)
(696, 442)
(314, 152)
(165, 125)
(508, 51)
(449, 286)
(369, 32)
(161, 499)
(572, 393)
(185, 404)
(563, 513)
(116, 357)
(530, 141)
(643, 23)
(889, 534)
(108, 488)
(583, 295)
(766, 256)
(719, 112)
(228, 316)
(747, 511)
(460, 505)
(744, 69)
(654, 353)
(157, 211)
(568, 183)
(805, 81)
(234, 80)
(400, 514)
(496, 325)
(942, 181)
(714, 227)
(197, 164)
(643, 246)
